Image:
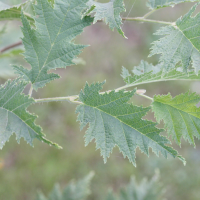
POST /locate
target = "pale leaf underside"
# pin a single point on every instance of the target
(180, 44)
(49, 46)
(156, 4)
(147, 73)
(180, 115)
(110, 12)
(112, 121)
(13, 115)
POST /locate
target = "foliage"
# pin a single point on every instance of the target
(73, 191)
(15, 118)
(110, 12)
(146, 190)
(151, 190)
(115, 122)
(180, 114)
(48, 38)
(181, 43)
(49, 46)
(147, 73)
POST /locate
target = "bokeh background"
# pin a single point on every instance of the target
(24, 170)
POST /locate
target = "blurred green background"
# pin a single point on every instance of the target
(24, 170)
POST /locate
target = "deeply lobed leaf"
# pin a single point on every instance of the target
(156, 4)
(180, 115)
(15, 118)
(180, 44)
(110, 12)
(148, 73)
(113, 121)
(49, 46)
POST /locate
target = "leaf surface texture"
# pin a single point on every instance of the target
(180, 115)
(113, 121)
(148, 73)
(180, 44)
(50, 46)
(15, 118)
(110, 12)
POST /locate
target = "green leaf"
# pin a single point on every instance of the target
(110, 12)
(181, 43)
(50, 46)
(180, 115)
(15, 118)
(113, 121)
(148, 73)
(74, 191)
(13, 12)
(156, 4)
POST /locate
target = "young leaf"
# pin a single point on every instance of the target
(180, 115)
(12, 12)
(147, 73)
(110, 12)
(113, 121)
(156, 4)
(181, 43)
(15, 118)
(74, 191)
(50, 46)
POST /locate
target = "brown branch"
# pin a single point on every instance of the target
(10, 46)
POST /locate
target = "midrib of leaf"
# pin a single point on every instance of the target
(186, 36)
(50, 37)
(8, 111)
(121, 122)
(10, 97)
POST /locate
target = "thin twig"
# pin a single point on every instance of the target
(74, 98)
(142, 19)
(10, 46)
(30, 90)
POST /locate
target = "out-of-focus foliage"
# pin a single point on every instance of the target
(80, 190)
(145, 190)
(73, 191)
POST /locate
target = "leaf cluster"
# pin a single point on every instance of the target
(48, 38)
